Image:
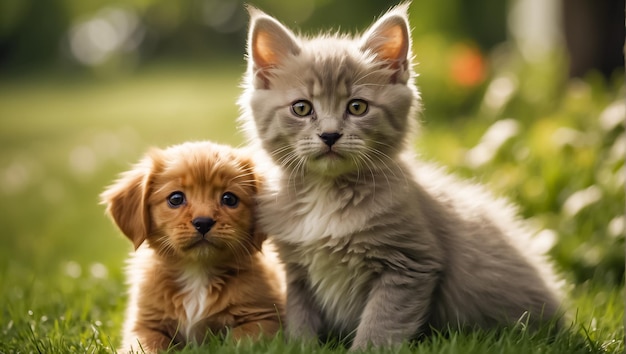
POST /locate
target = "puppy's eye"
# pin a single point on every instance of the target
(357, 107)
(230, 200)
(176, 199)
(302, 108)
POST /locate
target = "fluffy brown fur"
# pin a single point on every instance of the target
(183, 284)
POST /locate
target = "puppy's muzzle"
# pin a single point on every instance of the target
(203, 225)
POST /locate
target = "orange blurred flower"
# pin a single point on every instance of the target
(467, 65)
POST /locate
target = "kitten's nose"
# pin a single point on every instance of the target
(330, 138)
(203, 225)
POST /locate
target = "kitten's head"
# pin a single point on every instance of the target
(330, 104)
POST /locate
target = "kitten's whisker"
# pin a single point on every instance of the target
(281, 154)
(382, 157)
(294, 165)
(300, 169)
(373, 166)
(366, 164)
(279, 151)
(358, 169)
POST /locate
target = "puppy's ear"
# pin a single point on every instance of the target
(126, 201)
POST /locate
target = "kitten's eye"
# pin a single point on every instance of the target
(302, 108)
(176, 199)
(357, 107)
(230, 200)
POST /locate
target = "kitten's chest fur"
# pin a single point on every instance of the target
(315, 212)
(340, 277)
(325, 232)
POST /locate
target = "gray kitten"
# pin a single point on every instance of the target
(378, 246)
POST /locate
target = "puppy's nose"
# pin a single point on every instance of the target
(203, 225)
(330, 138)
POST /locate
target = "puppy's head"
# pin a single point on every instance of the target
(194, 200)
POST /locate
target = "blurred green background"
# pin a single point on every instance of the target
(526, 96)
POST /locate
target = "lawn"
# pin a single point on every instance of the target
(63, 139)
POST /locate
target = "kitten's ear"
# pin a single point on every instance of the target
(126, 201)
(389, 38)
(269, 43)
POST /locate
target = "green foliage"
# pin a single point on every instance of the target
(118, 34)
(556, 148)
(54, 32)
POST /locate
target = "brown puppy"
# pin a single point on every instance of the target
(198, 268)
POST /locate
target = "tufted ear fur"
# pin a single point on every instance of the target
(126, 201)
(389, 38)
(269, 43)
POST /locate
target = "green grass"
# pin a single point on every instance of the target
(64, 139)
(84, 315)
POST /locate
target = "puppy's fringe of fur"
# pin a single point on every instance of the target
(184, 285)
